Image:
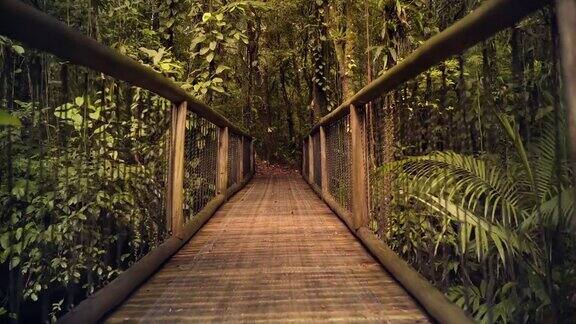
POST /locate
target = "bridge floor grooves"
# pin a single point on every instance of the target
(274, 253)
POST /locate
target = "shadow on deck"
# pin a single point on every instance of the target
(274, 252)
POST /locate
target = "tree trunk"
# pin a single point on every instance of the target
(344, 46)
(566, 15)
(287, 104)
(518, 89)
(319, 56)
(252, 52)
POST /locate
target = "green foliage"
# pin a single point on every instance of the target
(82, 201)
(481, 212)
(6, 119)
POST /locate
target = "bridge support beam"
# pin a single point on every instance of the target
(222, 161)
(176, 192)
(359, 183)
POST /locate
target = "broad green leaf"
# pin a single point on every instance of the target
(18, 49)
(156, 59)
(6, 119)
(5, 240)
(79, 101)
(221, 68)
(217, 88)
(14, 262)
(206, 16)
(210, 57)
(149, 52)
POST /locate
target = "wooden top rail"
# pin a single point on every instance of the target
(482, 23)
(37, 29)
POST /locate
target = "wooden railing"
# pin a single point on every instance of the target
(36, 29)
(351, 148)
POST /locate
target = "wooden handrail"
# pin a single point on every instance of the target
(482, 23)
(24, 23)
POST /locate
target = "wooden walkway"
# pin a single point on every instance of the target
(274, 253)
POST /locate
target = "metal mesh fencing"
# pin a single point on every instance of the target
(200, 158)
(380, 137)
(233, 159)
(247, 156)
(85, 159)
(317, 160)
(339, 161)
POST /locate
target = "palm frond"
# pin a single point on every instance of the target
(550, 160)
(509, 126)
(472, 182)
(506, 241)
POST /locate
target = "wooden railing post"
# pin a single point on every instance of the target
(222, 162)
(310, 159)
(359, 180)
(304, 157)
(323, 162)
(240, 172)
(252, 156)
(176, 192)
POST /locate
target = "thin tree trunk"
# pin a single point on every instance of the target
(344, 47)
(287, 104)
(319, 56)
(566, 15)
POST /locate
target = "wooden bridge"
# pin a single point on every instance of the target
(266, 247)
(274, 253)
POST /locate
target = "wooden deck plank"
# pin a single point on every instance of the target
(274, 253)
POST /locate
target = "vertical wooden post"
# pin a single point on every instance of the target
(323, 161)
(304, 157)
(240, 172)
(177, 169)
(310, 159)
(252, 156)
(170, 178)
(359, 184)
(222, 162)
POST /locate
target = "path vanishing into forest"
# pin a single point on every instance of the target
(274, 253)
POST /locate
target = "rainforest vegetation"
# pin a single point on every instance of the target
(470, 176)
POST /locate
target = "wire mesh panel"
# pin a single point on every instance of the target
(200, 157)
(247, 156)
(317, 160)
(83, 178)
(339, 161)
(380, 137)
(233, 159)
